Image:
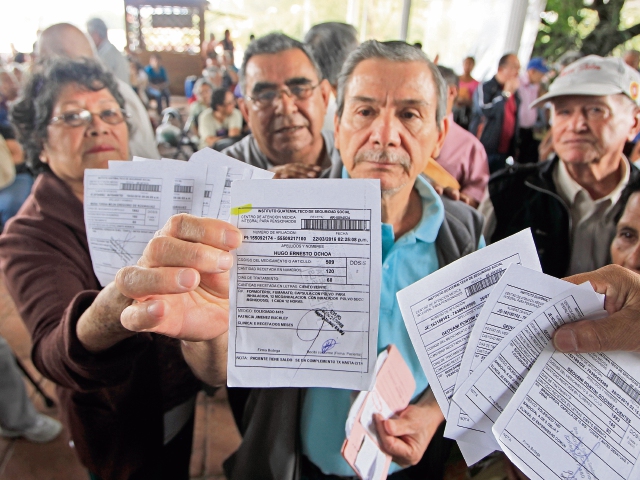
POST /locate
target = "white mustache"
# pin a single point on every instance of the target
(383, 156)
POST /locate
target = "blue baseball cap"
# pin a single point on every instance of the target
(537, 63)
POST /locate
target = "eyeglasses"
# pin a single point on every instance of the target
(83, 118)
(265, 98)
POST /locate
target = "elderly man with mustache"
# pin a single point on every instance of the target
(391, 118)
(284, 103)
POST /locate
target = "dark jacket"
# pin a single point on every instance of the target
(112, 402)
(489, 112)
(524, 195)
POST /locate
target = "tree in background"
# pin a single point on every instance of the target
(590, 26)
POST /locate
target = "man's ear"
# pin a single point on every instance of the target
(243, 109)
(442, 134)
(635, 129)
(325, 90)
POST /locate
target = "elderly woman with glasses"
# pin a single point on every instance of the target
(127, 398)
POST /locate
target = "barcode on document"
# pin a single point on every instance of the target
(140, 187)
(624, 386)
(334, 224)
(182, 189)
(484, 283)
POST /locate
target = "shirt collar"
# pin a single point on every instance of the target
(568, 188)
(432, 213)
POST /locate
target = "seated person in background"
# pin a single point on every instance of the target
(213, 71)
(66, 40)
(625, 248)
(462, 154)
(202, 90)
(570, 202)
(127, 399)
(139, 80)
(284, 103)
(391, 119)
(15, 180)
(222, 120)
(158, 88)
(229, 71)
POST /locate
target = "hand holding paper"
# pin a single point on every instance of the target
(619, 331)
(181, 281)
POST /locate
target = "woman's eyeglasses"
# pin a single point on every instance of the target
(83, 118)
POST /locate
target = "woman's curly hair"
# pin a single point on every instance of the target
(32, 112)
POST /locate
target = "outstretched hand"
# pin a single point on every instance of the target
(181, 283)
(621, 329)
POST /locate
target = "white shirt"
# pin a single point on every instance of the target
(589, 241)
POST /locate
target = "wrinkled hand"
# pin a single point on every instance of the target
(407, 436)
(621, 329)
(454, 194)
(296, 170)
(181, 282)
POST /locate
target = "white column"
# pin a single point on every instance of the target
(516, 24)
(404, 22)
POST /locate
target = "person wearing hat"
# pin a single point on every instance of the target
(529, 90)
(571, 201)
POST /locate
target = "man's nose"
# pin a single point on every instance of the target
(286, 103)
(578, 120)
(386, 130)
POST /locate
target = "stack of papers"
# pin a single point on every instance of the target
(127, 203)
(499, 382)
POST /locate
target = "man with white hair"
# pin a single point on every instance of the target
(66, 40)
(108, 53)
(570, 202)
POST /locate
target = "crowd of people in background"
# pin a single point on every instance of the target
(546, 147)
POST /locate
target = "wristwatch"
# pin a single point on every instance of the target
(506, 94)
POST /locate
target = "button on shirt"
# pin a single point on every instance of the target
(405, 261)
(589, 247)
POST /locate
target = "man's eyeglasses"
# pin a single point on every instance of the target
(265, 98)
(83, 118)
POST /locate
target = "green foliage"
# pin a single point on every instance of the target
(590, 26)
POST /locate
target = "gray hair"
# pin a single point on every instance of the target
(449, 76)
(331, 44)
(97, 26)
(395, 51)
(270, 44)
(200, 82)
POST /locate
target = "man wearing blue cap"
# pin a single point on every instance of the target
(529, 91)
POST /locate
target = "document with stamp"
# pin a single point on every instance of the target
(515, 297)
(486, 393)
(122, 211)
(305, 286)
(440, 310)
(575, 416)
